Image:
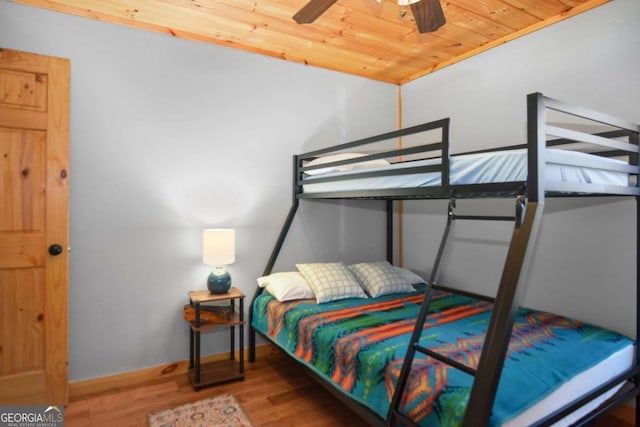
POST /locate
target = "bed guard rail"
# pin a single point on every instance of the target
(402, 160)
(555, 124)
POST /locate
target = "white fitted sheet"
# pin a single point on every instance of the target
(481, 168)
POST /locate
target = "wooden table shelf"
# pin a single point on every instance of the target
(216, 373)
(234, 321)
(202, 375)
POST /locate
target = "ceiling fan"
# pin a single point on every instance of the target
(427, 13)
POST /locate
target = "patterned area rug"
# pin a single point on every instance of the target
(219, 411)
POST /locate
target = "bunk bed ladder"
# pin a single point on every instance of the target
(487, 376)
(394, 409)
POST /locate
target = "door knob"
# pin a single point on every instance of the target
(55, 249)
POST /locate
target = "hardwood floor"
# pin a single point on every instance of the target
(275, 392)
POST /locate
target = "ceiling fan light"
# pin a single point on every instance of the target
(407, 2)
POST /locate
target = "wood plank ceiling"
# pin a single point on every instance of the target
(360, 37)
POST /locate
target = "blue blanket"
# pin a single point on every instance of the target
(359, 345)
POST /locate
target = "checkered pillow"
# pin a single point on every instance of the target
(331, 281)
(410, 276)
(380, 278)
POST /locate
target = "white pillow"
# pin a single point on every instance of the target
(331, 281)
(380, 278)
(286, 286)
(342, 168)
(410, 276)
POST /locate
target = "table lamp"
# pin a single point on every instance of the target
(219, 250)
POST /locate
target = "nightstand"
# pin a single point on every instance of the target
(224, 370)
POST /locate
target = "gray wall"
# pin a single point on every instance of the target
(169, 137)
(584, 264)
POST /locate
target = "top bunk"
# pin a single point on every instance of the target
(570, 151)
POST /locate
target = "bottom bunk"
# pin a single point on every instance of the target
(358, 345)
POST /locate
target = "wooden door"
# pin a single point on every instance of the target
(34, 156)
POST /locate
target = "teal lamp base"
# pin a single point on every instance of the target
(219, 281)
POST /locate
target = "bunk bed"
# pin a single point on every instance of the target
(583, 154)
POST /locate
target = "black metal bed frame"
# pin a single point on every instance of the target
(530, 198)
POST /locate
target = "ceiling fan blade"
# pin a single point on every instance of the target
(312, 10)
(428, 15)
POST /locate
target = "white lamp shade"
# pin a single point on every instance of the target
(218, 246)
(406, 2)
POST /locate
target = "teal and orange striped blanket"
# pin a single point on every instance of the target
(359, 345)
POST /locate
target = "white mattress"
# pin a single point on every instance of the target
(498, 166)
(587, 380)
